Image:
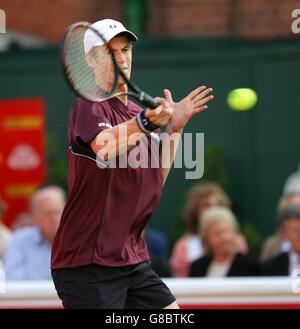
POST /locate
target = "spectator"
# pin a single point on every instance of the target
(277, 243)
(286, 262)
(22, 220)
(218, 229)
(189, 246)
(28, 254)
(158, 250)
(5, 233)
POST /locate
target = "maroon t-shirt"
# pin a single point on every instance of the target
(107, 207)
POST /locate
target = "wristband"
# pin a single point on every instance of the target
(144, 124)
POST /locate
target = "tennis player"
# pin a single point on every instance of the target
(99, 257)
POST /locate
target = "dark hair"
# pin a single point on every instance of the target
(288, 213)
(198, 192)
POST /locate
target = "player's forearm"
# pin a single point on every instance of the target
(170, 141)
(117, 140)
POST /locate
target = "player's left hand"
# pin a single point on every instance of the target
(185, 109)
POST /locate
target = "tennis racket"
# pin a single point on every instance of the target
(94, 75)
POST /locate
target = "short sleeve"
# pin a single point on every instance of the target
(87, 120)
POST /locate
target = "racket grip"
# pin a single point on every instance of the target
(148, 101)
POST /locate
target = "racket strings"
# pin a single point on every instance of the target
(89, 64)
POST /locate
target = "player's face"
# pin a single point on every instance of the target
(122, 49)
(99, 59)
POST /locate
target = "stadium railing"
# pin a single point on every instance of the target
(267, 292)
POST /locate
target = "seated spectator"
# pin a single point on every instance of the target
(28, 254)
(189, 247)
(5, 233)
(218, 229)
(277, 243)
(285, 263)
(157, 244)
(22, 220)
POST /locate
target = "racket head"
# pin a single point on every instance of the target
(88, 63)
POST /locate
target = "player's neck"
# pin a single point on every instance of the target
(123, 98)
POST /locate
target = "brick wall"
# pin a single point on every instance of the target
(188, 17)
(266, 18)
(217, 18)
(49, 18)
(176, 18)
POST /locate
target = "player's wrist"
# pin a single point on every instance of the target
(144, 123)
(171, 130)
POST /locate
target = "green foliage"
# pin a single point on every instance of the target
(253, 235)
(57, 165)
(215, 168)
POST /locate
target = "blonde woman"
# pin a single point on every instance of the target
(219, 229)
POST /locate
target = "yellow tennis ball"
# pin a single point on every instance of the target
(242, 99)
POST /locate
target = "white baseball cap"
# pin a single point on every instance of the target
(108, 28)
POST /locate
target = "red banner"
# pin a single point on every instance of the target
(22, 152)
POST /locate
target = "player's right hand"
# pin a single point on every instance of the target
(161, 115)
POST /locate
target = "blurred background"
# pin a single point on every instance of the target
(225, 44)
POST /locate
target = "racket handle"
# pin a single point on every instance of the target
(148, 101)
